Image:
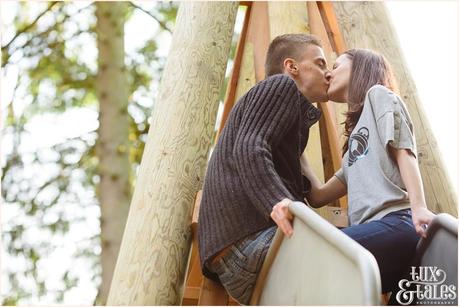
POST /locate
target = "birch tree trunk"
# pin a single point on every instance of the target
(154, 253)
(367, 25)
(112, 146)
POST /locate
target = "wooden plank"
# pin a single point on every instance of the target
(287, 17)
(194, 275)
(191, 294)
(332, 27)
(336, 44)
(247, 74)
(371, 18)
(232, 85)
(258, 35)
(197, 206)
(330, 127)
(212, 294)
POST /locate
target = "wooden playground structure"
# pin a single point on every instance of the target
(155, 265)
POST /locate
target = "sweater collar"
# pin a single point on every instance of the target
(311, 113)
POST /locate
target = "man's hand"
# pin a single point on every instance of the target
(282, 217)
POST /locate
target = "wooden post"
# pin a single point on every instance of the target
(250, 56)
(367, 25)
(329, 123)
(258, 37)
(155, 248)
(231, 98)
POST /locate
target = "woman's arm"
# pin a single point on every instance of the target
(322, 194)
(411, 176)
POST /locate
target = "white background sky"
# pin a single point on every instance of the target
(428, 34)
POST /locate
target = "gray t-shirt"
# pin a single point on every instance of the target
(374, 184)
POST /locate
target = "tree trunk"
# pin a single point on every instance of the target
(367, 25)
(154, 253)
(112, 145)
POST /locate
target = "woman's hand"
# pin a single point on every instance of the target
(282, 216)
(421, 219)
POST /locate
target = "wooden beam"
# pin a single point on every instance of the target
(154, 253)
(212, 294)
(258, 36)
(329, 125)
(331, 25)
(232, 85)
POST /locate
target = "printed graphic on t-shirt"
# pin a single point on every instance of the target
(358, 145)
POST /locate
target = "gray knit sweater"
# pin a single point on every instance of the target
(255, 164)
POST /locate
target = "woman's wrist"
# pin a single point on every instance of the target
(418, 206)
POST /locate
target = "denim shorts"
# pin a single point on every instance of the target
(238, 269)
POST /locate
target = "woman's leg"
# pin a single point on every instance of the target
(392, 241)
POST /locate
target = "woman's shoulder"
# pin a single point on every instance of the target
(383, 100)
(381, 92)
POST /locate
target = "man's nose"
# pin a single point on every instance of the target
(328, 76)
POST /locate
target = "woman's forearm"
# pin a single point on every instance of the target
(411, 176)
(321, 194)
(316, 184)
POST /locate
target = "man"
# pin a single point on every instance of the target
(256, 163)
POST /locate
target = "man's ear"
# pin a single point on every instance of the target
(290, 66)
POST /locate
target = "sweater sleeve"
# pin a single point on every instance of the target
(271, 111)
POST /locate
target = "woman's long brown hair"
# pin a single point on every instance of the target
(368, 68)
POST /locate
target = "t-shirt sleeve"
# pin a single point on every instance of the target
(272, 110)
(340, 175)
(396, 130)
(394, 124)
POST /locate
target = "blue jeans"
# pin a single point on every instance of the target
(238, 269)
(392, 240)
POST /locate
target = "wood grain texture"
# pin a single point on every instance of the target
(247, 73)
(258, 35)
(367, 25)
(154, 253)
(230, 98)
(329, 124)
(287, 17)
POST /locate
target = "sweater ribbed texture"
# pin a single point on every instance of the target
(255, 164)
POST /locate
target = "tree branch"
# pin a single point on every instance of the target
(161, 23)
(50, 6)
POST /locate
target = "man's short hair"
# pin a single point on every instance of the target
(287, 46)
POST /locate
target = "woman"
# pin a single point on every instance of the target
(379, 167)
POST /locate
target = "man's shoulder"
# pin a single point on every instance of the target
(278, 83)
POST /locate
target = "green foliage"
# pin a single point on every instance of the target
(55, 78)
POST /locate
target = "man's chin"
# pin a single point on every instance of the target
(322, 99)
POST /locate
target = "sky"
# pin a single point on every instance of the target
(427, 31)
